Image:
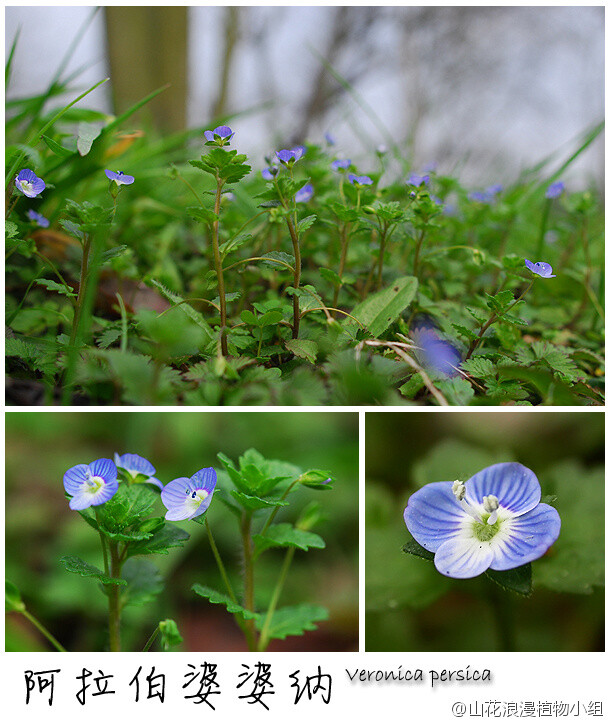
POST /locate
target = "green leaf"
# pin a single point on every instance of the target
(249, 318)
(293, 621)
(144, 582)
(113, 253)
(53, 286)
(56, 148)
(305, 223)
(86, 135)
(412, 547)
(464, 331)
(284, 261)
(253, 503)
(457, 390)
(217, 598)
(306, 349)
(286, 535)
(120, 517)
(161, 541)
(189, 311)
(76, 565)
(377, 312)
(12, 598)
(201, 214)
(479, 367)
(170, 634)
(517, 580)
(271, 318)
(330, 276)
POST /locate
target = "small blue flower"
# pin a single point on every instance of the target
(28, 183)
(289, 157)
(488, 196)
(430, 166)
(340, 165)
(37, 218)
(92, 484)
(221, 135)
(270, 172)
(542, 269)
(435, 353)
(330, 139)
(137, 468)
(556, 189)
(436, 200)
(493, 521)
(186, 498)
(417, 180)
(119, 177)
(359, 180)
(304, 194)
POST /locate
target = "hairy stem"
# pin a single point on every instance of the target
(264, 636)
(246, 534)
(43, 630)
(218, 266)
(114, 603)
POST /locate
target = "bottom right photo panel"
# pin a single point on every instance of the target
(484, 531)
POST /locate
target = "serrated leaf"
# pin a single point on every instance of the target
(464, 331)
(189, 311)
(169, 537)
(479, 367)
(114, 252)
(518, 580)
(53, 286)
(287, 260)
(286, 535)
(271, 318)
(144, 582)
(253, 503)
(76, 565)
(457, 390)
(217, 598)
(412, 547)
(305, 223)
(293, 621)
(12, 598)
(10, 229)
(249, 318)
(330, 276)
(201, 214)
(378, 311)
(306, 349)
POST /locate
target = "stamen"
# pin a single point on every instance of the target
(490, 504)
(459, 491)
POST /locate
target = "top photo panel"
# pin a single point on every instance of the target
(304, 206)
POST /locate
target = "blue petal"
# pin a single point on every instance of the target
(85, 498)
(155, 481)
(74, 478)
(176, 492)
(515, 486)
(433, 515)
(203, 508)
(133, 462)
(463, 558)
(209, 135)
(105, 469)
(530, 537)
(205, 478)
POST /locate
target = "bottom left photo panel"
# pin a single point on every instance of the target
(181, 531)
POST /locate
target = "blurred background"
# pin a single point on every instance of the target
(410, 606)
(489, 89)
(40, 528)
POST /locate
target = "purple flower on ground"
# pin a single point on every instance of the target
(289, 157)
(221, 135)
(330, 139)
(340, 164)
(137, 468)
(435, 353)
(417, 180)
(186, 498)
(493, 521)
(119, 177)
(28, 183)
(270, 172)
(37, 218)
(488, 196)
(542, 269)
(556, 189)
(304, 194)
(359, 180)
(92, 484)
(430, 166)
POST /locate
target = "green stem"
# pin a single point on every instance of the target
(277, 508)
(104, 543)
(221, 568)
(543, 225)
(114, 603)
(264, 636)
(43, 630)
(418, 247)
(502, 610)
(84, 271)
(151, 640)
(475, 343)
(382, 243)
(344, 242)
(218, 265)
(246, 528)
(296, 314)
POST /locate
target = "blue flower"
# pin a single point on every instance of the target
(221, 135)
(330, 139)
(488, 196)
(37, 218)
(119, 177)
(359, 180)
(556, 189)
(304, 194)
(186, 498)
(270, 172)
(92, 484)
(493, 521)
(137, 468)
(340, 165)
(28, 183)
(289, 157)
(435, 353)
(542, 269)
(416, 180)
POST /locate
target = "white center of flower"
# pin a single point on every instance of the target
(196, 497)
(26, 186)
(94, 483)
(491, 505)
